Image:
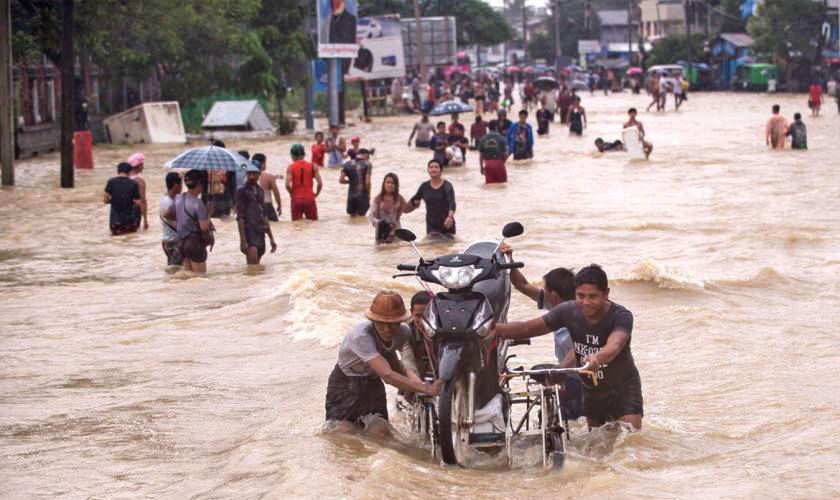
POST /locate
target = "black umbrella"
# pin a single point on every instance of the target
(546, 83)
(449, 107)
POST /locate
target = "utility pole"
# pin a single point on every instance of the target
(524, 32)
(418, 38)
(68, 96)
(630, 31)
(558, 51)
(333, 90)
(687, 9)
(7, 131)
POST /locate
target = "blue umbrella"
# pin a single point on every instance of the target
(208, 158)
(449, 107)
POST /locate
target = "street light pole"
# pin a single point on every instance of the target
(686, 8)
(557, 49)
(7, 143)
(419, 40)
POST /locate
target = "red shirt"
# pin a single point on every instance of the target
(301, 173)
(478, 130)
(816, 93)
(318, 154)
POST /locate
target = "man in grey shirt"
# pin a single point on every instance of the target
(367, 357)
(600, 330)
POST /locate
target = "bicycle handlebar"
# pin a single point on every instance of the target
(582, 370)
(512, 265)
(406, 267)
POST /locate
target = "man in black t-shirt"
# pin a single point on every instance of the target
(600, 330)
(123, 194)
(356, 173)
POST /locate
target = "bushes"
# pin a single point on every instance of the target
(295, 99)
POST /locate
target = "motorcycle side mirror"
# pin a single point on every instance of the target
(512, 229)
(405, 235)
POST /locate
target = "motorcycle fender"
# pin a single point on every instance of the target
(450, 357)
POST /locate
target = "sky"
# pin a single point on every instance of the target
(530, 3)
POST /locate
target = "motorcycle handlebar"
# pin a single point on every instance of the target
(512, 265)
(406, 267)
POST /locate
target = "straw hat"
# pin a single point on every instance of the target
(387, 307)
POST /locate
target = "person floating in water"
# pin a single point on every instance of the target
(609, 147)
(775, 130)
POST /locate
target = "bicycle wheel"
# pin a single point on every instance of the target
(454, 438)
(431, 427)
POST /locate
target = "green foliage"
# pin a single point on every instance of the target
(295, 99)
(732, 21)
(478, 24)
(540, 46)
(195, 110)
(788, 29)
(673, 48)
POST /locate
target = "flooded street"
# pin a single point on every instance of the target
(119, 379)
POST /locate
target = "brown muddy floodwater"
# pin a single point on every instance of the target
(119, 379)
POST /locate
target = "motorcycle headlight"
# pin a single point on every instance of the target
(456, 277)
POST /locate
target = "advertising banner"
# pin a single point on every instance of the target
(322, 76)
(337, 28)
(380, 52)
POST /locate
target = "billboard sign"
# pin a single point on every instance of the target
(380, 52)
(337, 28)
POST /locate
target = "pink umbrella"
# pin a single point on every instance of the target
(635, 70)
(513, 69)
(529, 69)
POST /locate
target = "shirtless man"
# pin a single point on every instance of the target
(268, 183)
(336, 148)
(632, 122)
(777, 126)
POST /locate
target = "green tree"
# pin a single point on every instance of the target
(540, 46)
(732, 21)
(478, 24)
(787, 29)
(673, 48)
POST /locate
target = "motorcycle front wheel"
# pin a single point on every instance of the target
(454, 436)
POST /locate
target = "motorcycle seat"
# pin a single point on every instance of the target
(546, 378)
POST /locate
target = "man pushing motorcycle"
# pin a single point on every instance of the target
(368, 355)
(600, 330)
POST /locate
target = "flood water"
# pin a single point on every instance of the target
(120, 379)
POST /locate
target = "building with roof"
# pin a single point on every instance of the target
(665, 17)
(616, 27)
(727, 52)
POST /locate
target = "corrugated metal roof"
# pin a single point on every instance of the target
(231, 114)
(737, 39)
(613, 17)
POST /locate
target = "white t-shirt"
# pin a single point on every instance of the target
(457, 154)
(169, 232)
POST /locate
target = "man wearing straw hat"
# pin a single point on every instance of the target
(367, 357)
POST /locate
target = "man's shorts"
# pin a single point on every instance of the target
(358, 204)
(270, 214)
(118, 229)
(606, 405)
(304, 208)
(494, 171)
(255, 237)
(173, 255)
(422, 144)
(192, 248)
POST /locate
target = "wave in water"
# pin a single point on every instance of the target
(323, 306)
(650, 270)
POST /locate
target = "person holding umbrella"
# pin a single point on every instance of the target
(251, 219)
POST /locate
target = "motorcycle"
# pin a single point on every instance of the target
(459, 331)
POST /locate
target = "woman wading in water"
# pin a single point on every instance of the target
(387, 208)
